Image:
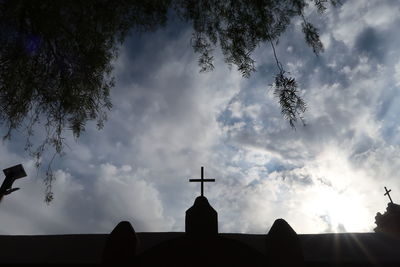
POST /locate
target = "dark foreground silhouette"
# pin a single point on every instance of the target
(202, 245)
(120, 247)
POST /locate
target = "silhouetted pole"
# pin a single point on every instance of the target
(387, 193)
(202, 180)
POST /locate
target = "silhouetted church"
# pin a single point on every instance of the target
(203, 245)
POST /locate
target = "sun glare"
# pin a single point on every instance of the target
(344, 211)
(339, 200)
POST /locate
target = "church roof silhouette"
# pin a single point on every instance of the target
(202, 245)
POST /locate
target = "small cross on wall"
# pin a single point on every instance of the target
(387, 193)
(202, 180)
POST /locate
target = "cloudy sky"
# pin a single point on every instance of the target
(168, 120)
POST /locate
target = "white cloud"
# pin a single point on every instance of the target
(126, 195)
(168, 120)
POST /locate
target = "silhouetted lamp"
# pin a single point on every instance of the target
(13, 173)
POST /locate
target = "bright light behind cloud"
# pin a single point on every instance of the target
(339, 195)
(168, 120)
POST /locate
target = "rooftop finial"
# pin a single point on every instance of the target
(202, 180)
(387, 193)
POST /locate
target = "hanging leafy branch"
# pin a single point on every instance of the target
(239, 26)
(285, 88)
(55, 65)
(55, 56)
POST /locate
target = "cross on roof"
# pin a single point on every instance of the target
(202, 180)
(387, 193)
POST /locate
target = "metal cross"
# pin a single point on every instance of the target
(202, 180)
(387, 193)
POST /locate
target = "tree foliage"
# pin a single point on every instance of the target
(56, 56)
(55, 64)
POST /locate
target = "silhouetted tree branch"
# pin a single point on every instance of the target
(55, 56)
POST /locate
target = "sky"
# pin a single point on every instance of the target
(168, 120)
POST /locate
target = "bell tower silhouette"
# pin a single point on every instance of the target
(201, 219)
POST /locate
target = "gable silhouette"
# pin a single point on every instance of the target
(202, 245)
